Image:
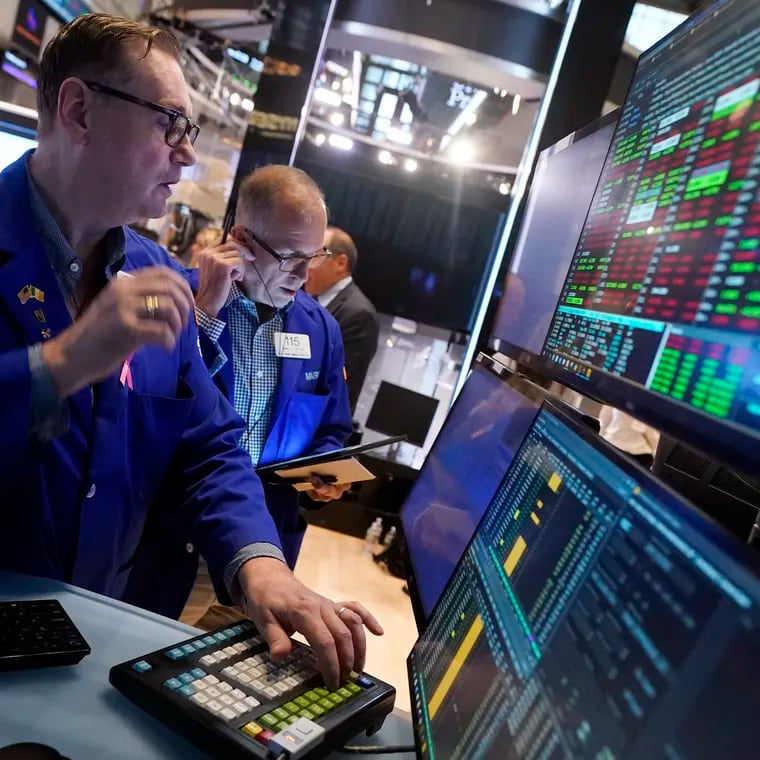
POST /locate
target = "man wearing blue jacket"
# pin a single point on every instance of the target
(272, 349)
(106, 403)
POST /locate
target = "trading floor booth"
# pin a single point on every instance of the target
(570, 603)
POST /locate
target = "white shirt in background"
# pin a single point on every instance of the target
(325, 298)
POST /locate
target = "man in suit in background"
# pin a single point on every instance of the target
(333, 286)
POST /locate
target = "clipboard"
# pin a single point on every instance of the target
(273, 473)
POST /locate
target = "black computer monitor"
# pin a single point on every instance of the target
(594, 615)
(560, 195)
(661, 307)
(399, 411)
(18, 132)
(460, 475)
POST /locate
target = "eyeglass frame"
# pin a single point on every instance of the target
(323, 253)
(173, 113)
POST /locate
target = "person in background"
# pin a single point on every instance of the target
(272, 349)
(629, 435)
(104, 397)
(204, 238)
(334, 287)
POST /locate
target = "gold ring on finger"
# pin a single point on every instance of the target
(151, 306)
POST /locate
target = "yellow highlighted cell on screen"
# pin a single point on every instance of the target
(534, 517)
(514, 555)
(457, 662)
(555, 481)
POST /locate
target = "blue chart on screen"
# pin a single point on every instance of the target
(466, 464)
(593, 615)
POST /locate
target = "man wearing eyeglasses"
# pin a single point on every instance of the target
(271, 348)
(112, 428)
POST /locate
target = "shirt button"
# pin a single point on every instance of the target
(91, 491)
(189, 548)
(75, 266)
(259, 374)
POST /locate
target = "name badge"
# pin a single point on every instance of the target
(292, 345)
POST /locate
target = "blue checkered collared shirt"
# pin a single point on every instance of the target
(255, 362)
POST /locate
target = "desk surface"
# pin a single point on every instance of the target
(75, 709)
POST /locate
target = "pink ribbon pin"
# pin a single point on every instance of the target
(126, 373)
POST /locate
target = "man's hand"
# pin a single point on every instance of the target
(152, 306)
(280, 605)
(326, 491)
(218, 267)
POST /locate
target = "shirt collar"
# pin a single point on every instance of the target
(58, 248)
(236, 293)
(328, 295)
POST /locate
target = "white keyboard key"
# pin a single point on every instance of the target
(243, 678)
(270, 692)
(219, 656)
(225, 687)
(250, 702)
(207, 660)
(239, 708)
(251, 662)
(228, 714)
(230, 672)
(210, 680)
(291, 682)
(227, 700)
(281, 688)
(212, 692)
(240, 647)
(200, 698)
(258, 659)
(238, 694)
(256, 672)
(230, 651)
(213, 706)
(259, 685)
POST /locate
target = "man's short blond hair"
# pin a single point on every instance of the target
(93, 47)
(271, 187)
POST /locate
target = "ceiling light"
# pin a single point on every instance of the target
(471, 119)
(335, 85)
(348, 85)
(328, 97)
(410, 165)
(234, 99)
(516, 100)
(337, 118)
(386, 157)
(247, 104)
(341, 142)
(398, 135)
(461, 152)
(319, 139)
(504, 188)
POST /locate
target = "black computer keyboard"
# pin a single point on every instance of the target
(222, 692)
(37, 634)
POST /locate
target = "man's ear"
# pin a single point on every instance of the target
(74, 109)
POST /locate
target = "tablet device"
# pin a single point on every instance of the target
(327, 456)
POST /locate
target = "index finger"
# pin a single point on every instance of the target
(322, 641)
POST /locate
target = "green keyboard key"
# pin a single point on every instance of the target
(344, 692)
(291, 720)
(317, 710)
(291, 707)
(336, 699)
(321, 691)
(281, 713)
(308, 714)
(282, 726)
(326, 704)
(302, 702)
(312, 696)
(353, 688)
(268, 720)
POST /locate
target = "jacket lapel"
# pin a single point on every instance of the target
(28, 286)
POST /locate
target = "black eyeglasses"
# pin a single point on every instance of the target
(179, 124)
(292, 262)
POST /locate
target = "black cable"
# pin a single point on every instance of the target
(390, 749)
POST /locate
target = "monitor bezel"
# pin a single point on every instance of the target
(747, 558)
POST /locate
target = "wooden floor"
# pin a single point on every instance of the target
(333, 564)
